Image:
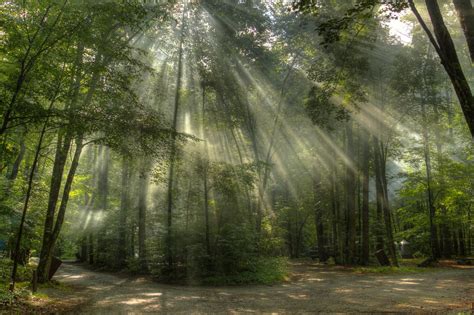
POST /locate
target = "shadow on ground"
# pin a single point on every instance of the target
(314, 288)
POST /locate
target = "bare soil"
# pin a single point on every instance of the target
(312, 288)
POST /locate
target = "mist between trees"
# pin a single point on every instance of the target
(208, 141)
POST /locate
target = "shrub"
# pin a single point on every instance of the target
(258, 270)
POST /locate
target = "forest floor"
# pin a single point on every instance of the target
(311, 288)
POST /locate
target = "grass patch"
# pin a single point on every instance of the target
(21, 292)
(24, 273)
(23, 278)
(56, 286)
(391, 270)
(259, 271)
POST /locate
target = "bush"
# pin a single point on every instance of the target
(24, 273)
(259, 270)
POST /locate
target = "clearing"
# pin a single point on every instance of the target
(312, 288)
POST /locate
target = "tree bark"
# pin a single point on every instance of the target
(335, 215)
(429, 191)
(206, 207)
(365, 199)
(48, 247)
(102, 194)
(122, 252)
(62, 149)
(171, 179)
(446, 50)
(379, 196)
(465, 12)
(386, 208)
(350, 199)
(318, 216)
(31, 177)
(142, 208)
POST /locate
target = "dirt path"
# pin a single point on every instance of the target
(313, 289)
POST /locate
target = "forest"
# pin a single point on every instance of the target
(234, 144)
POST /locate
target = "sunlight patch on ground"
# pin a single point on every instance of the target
(153, 294)
(135, 301)
(315, 279)
(298, 297)
(74, 277)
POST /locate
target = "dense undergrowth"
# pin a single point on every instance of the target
(23, 280)
(257, 271)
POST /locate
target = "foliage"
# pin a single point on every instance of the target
(255, 271)
(215, 138)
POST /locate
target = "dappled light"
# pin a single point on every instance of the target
(236, 156)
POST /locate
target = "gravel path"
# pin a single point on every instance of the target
(312, 289)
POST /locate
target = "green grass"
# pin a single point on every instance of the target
(260, 271)
(391, 270)
(24, 275)
(55, 285)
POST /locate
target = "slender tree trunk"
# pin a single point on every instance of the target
(455, 243)
(432, 210)
(48, 247)
(142, 207)
(206, 209)
(350, 199)
(31, 177)
(64, 143)
(335, 214)
(171, 179)
(90, 249)
(445, 237)
(318, 216)
(388, 220)
(462, 242)
(469, 231)
(122, 252)
(379, 196)
(103, 196)
(205, 169)
(365, 199)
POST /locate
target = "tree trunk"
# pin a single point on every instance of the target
(206, 209)
(445, 239)
(388, 223)
(446, 50)
(350, 199)
(62, 149)
(469, 231)
(335, 215)
(142, 207)
(379, 196)
(171, 179)
(122, 252)
(16, 251)
(48, 247)
(386, 208)
(465, 12)
(432, 210)
(318, 216)
(102, 194)
(462, 243)
(365, 199)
